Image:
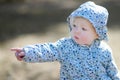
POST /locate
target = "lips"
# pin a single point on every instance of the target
(76, 37)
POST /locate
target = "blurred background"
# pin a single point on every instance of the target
(24, 22)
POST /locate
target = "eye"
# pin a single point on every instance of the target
(84, 29)
(74, 25)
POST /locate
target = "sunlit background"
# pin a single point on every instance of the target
(24, 22)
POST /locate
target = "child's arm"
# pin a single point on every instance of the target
(111, 68)
(41, 52)
(112, 71)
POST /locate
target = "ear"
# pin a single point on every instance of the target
(68, 21)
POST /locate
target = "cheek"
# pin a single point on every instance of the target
(71, 33)
(84, 37)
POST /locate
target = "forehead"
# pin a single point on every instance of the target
(81, 21)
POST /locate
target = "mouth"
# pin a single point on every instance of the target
(76, 37)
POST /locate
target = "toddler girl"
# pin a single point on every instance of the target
(84, 55)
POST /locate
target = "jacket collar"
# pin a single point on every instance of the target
(94, 44)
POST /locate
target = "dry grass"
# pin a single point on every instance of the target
(11, 69)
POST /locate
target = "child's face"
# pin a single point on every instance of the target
(82, 31)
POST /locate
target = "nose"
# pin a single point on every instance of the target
(77, 30)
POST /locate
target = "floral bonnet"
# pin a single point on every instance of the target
(96, 14)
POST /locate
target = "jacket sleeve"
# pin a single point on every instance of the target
(111, 67)
(42, 52)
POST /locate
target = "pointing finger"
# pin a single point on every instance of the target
(16, 49)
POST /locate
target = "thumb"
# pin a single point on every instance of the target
(22, 54)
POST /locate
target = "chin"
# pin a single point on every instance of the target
(83, 43)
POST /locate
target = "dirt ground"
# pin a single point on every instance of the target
(11, 69)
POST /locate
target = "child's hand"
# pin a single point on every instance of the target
(18, 53)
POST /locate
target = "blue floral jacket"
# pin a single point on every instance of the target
(78, 62)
